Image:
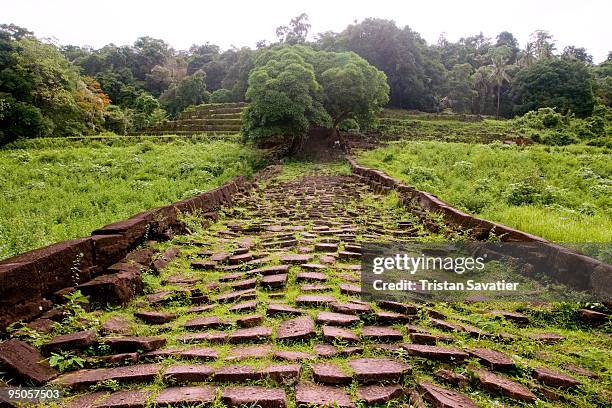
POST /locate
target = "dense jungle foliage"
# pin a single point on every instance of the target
(51, 90)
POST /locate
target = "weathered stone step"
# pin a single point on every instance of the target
(131, 398)
(336, 334)
(251, 334)
(298, 329)
(72, 341)
(155, 317)
(350, 308)
(495, 360)
(124, 375)
(263, 397)
(244, 307)
(128, 344)
(312, 395)
(435, 353)
(315, 300)
(369, 370)
(25, 362)
(443, 398)
(196, 353)
(336, 319)
(208, 322)
(275, 309)
(498, 384)
(328, 373)
(555, 378)
(381, 333)
(186, 396)
(245, 352)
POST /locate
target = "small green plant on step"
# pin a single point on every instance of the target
(66, 361)
(75, 316)
(20, 331)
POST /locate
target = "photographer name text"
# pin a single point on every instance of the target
(440, 286)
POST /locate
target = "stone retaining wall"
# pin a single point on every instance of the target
(29, 282)
(565, 266)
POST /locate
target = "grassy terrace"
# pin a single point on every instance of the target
(411, 125)
(57, 189)
(560, 193)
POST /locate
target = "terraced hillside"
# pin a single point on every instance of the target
(262, 308)
(212, 119)
(411, 125)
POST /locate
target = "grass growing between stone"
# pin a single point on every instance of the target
(582, 345)
(563, 194)
(57, 190)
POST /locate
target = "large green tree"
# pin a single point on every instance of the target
(286, 99)
(564, 84)
(41, 93)
(603, 81)
(189, 90)
(414, 72)
(293, 88)
(460, 93)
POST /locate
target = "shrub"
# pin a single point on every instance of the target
(531, 190)
(558, 138)
(221, 96)
(550, 127)
(65, 361)
(419, 174)
(543, 118)
(115, 120)
(349, 125)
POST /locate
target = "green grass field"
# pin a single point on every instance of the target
(563, 194)
(56, 189)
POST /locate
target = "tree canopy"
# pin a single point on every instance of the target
(41, 93)
(556, 83)
(294, 88)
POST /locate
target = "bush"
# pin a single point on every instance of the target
(543, 118)
(349, 125)
(529, 191)
(115, 120)
(221, 96)
(550, 127)
(557, 138)
(147, 112)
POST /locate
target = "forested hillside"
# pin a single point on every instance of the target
(61, 90)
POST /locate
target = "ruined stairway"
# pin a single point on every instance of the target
(262, 308)
(210, 119)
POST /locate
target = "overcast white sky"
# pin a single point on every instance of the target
(584, 23)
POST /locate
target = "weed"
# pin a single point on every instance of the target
(76, 317)
(66, 361)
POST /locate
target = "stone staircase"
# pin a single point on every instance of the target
(263, 309)
(214, 119)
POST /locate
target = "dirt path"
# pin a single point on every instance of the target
(263, 308)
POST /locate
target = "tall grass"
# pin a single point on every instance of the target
(563, 194)
(62, 191)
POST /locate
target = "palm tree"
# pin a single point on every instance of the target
(482, 85)
(527, 56)
(499, 73)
